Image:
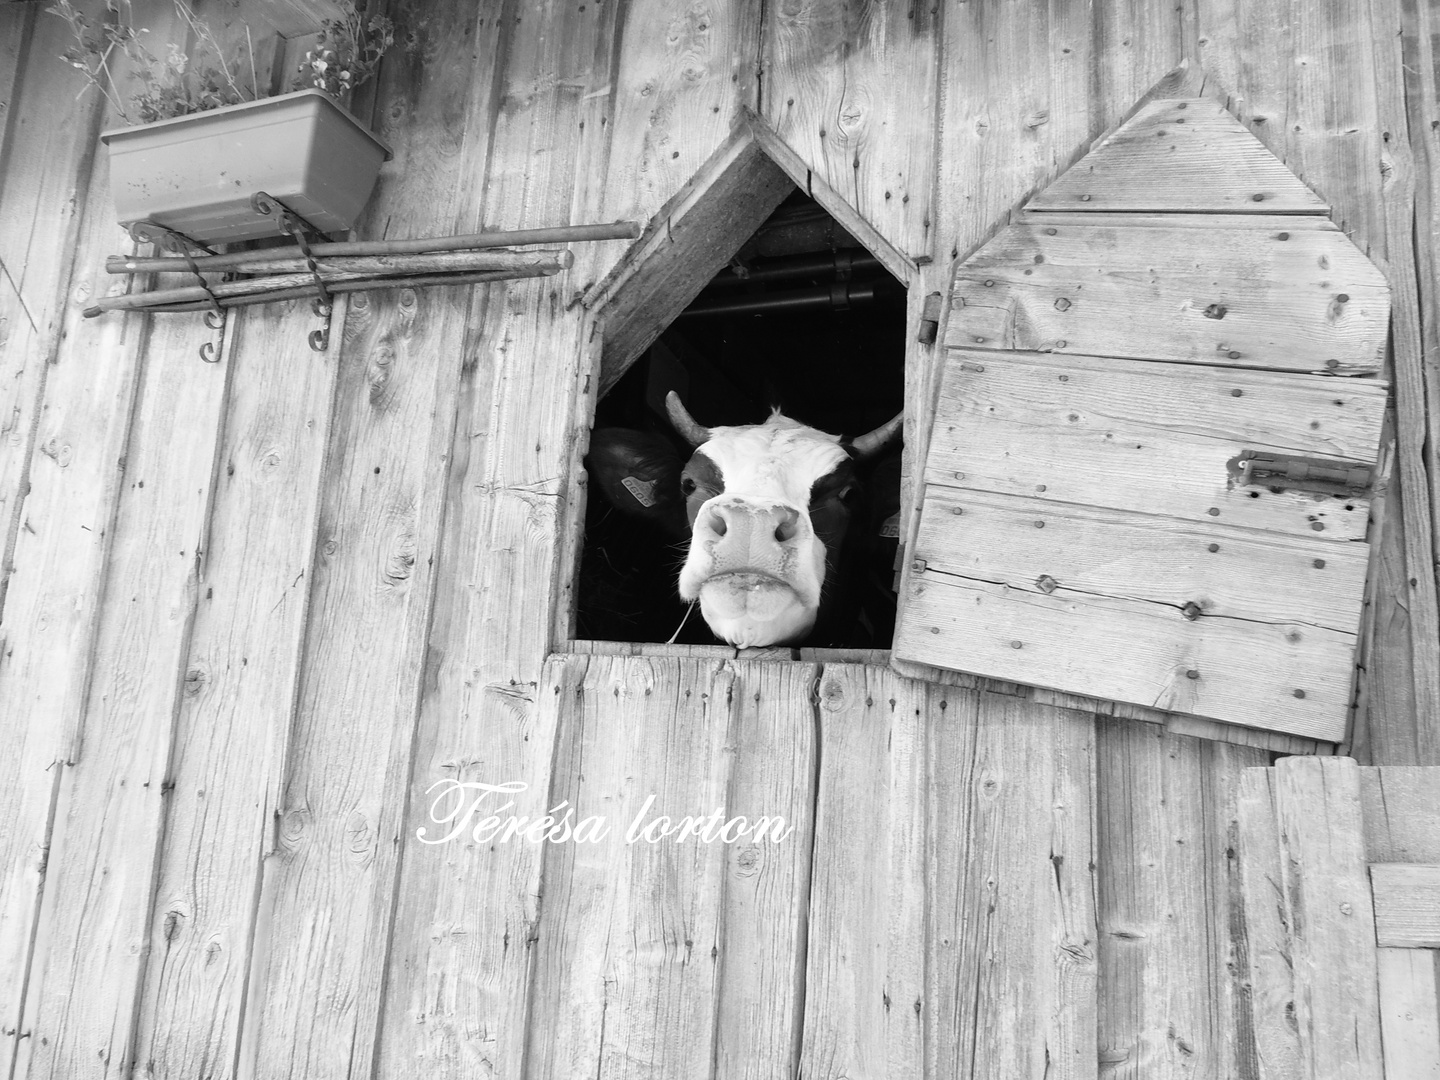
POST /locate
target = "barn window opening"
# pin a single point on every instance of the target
(804, 319)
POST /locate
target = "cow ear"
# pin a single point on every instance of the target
(639, 474)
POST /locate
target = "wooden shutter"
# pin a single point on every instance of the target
(1174, 306)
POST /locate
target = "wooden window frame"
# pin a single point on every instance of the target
(684, 245)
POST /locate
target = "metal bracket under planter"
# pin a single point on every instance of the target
(1323, 476)
(320, 269)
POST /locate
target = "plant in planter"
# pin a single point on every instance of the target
(207, 138)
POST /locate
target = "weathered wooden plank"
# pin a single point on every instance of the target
(1238, 735)
(851, 86)
(668, 955)
(689, 240)
(81, 1006)
(1292, 223)
(1225, 295)
(315, 983)
(671, 80)
(866, 935)
(55, 593)
(1407, 905)
(17, 22)
(767, 895)
(1171, 939)
(1418, 25)
(1402, 813)
(44, 181)
(458, 997)
(1227, 573)
(1138, 45)
(1149, 437)
(1408, 213)
(1268, 963)
(349, 762)
(233, 722)
(1410, 1012)
(1015, 100)
(1329, 915)
(1012, 924)
(1141, 653)
(1184, 155)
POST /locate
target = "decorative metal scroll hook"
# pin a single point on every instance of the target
(293, 225)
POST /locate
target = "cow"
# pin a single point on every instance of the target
(768, 509)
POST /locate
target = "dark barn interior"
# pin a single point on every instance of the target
(805, 320)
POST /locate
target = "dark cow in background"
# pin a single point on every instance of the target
(777, 515)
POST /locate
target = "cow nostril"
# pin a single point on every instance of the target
(788, 527)
(717, 523)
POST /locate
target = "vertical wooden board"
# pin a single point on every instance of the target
(1269, 965)
(1410, 1012)
(850, 85)
(1329, 912)
(1170, 963)
(232, 727)
(1386, 729)
(1017, 995)
(865, 990)
(1419, 24)
(94, 922)
(765, 921)
(1137, 43)
(44, 181)
(635, 949)
(1015, 107)
(54, 596)
(457, 985)
(17, 22)
(671, 80)
(329, 881)
(1401, 806)
(1408, 258)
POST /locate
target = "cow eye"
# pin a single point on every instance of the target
(687, 486)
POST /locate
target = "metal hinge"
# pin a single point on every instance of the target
(1328, 476)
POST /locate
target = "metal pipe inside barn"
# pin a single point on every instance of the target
(837, 297)
(260, 615)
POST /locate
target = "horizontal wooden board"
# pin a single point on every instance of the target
(1085, 551)
(1132, 650)
(1160, 220)
(1407, 905)
(1149, 437)
(1181, 154)
(1295, 300)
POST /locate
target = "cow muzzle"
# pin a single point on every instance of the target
(756, 569)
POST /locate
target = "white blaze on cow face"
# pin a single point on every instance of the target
(755, 562)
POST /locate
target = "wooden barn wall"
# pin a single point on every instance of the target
(254, 610)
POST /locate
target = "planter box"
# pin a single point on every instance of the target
(195, 174)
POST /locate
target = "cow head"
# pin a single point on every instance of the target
(768, 507)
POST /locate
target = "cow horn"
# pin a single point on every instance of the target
(684, 423)
(871, 442)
